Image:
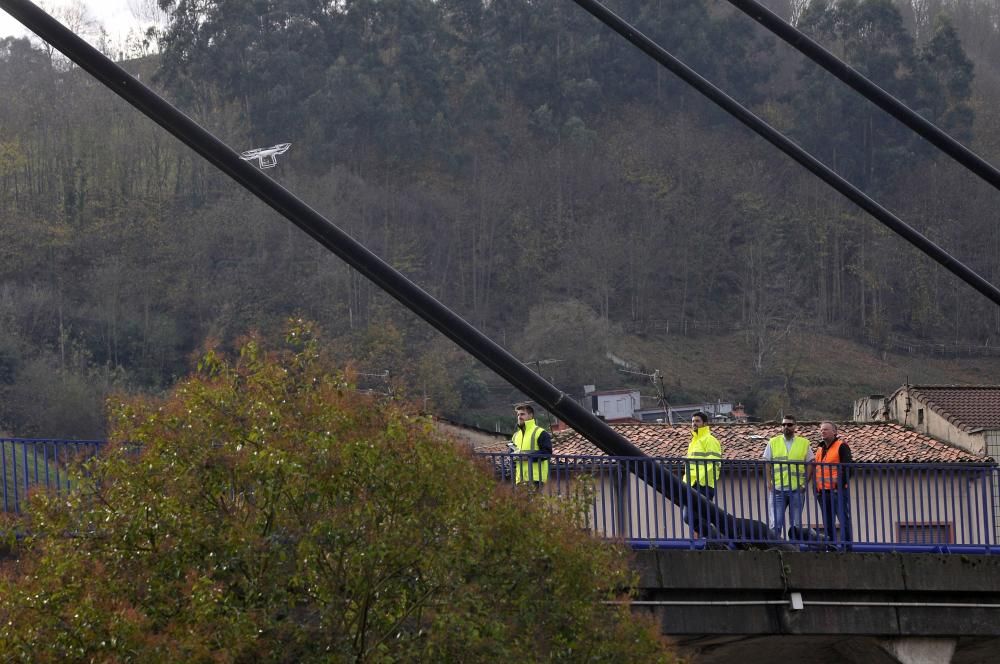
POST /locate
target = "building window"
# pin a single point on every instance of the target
(940, 532)
(920, 415)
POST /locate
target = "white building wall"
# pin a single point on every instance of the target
(617, 406)
(919, 416)
(992, 439)
(962, 505)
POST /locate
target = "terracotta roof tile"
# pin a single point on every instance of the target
(969, 407)
(882, 442)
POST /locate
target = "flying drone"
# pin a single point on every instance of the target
(266, 157)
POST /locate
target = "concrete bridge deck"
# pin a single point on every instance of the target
(774, 606)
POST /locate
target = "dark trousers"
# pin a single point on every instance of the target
(835, 505)
(696, 518)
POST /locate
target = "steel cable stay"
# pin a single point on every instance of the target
(319, 228)
(870, 90)
(790, 148)
(705, 514)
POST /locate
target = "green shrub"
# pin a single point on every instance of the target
(275, 514)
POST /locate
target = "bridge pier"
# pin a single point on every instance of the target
(916, 650)
(902, 650)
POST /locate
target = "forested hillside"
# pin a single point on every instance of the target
(520, 162)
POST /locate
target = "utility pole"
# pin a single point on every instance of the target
(656, 378)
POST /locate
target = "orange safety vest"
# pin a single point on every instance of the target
(828, 476)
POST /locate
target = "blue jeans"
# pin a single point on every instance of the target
(835, 504)
(793, 501)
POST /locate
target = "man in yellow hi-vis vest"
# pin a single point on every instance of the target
(533, 442)
(702, 467)
(788, 475)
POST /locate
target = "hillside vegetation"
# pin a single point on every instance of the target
(812, 376)
(524, 165)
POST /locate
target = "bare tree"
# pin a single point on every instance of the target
(75, 15)
(148, 13)
(797, 7)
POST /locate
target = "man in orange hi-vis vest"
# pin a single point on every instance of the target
(832, 489)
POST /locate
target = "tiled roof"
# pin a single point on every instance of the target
(969, 407)
(882, 442)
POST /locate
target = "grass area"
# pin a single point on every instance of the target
(812, 375)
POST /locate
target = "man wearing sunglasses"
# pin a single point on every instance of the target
(787, 476)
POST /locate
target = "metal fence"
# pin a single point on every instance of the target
(886, 507)
(30, 463)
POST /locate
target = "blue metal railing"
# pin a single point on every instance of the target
(31, 463)
(886, 507)
(891, 507)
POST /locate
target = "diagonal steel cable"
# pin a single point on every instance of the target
(705, 514)
(320, 229)
(864, 86)
(790, 148)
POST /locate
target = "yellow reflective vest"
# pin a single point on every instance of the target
(526, 442)
(704, 454)
(789, 476)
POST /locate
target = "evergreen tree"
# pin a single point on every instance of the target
(947, 75)
(843, 129)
